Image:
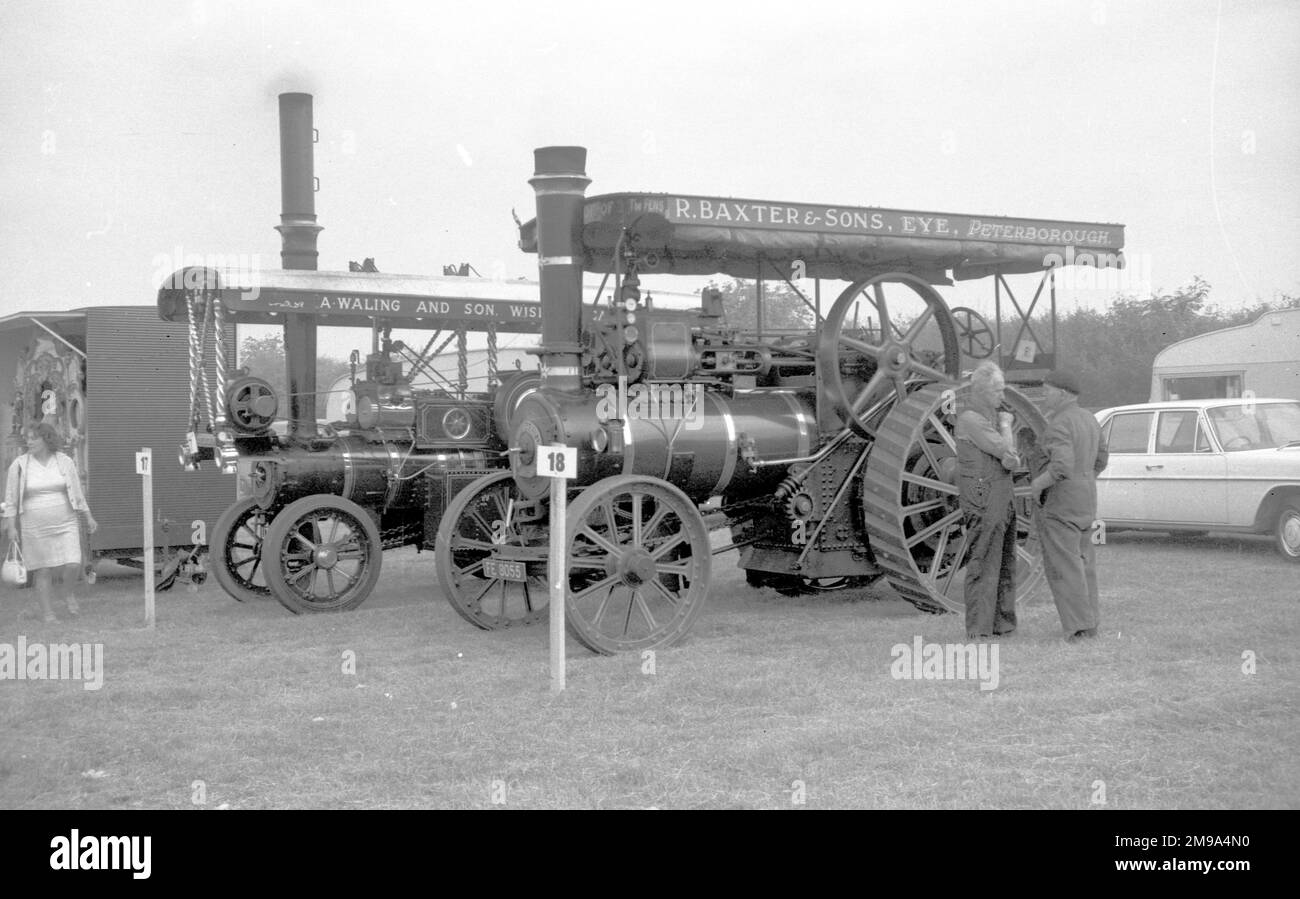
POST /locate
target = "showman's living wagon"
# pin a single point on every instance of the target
(827, 453)
(112, 379)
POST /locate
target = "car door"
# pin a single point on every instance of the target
(1252, 473)
(1121, 487)
(1186, 474)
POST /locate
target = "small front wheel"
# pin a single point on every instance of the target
(638, 564)
(322, 554)
(237, 551)
(486, 522)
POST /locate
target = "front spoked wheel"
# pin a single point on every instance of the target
(491, 555)
(322, 553)
(638, 564)
(237, 544)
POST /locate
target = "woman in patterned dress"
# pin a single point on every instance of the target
(43, 497)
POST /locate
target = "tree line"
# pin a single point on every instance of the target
(1112, 351)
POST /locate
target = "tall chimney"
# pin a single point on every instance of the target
(298, 230)
(560, 181)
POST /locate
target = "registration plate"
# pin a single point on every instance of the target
(505, 570)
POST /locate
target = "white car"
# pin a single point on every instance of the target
(1204, 465)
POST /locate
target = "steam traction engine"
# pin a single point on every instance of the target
(828, 454)
(320, 501)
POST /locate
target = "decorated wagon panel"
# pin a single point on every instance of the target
(41, 358)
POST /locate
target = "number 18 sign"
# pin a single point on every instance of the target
(557, 461)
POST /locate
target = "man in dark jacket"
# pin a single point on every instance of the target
(1068, 490)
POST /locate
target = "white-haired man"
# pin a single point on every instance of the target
(986, 456)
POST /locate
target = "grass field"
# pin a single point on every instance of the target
(770, 702)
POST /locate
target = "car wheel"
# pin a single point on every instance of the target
(1287, 532)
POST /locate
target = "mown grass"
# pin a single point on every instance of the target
(767, 693)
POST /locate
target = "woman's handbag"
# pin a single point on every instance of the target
(14, 570)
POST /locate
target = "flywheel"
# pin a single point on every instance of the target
(882, 334)
(910, 497)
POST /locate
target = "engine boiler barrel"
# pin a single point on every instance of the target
(700, 448)
(704, 457)
(370, 474)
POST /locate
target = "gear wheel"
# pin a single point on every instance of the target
(799, 506)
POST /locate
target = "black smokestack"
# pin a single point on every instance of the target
(298, 230)
(560, 181)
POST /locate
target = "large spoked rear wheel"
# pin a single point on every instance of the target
(237, 544)
(484, 526)
(910, 496)
(638, 564)
(322, 554)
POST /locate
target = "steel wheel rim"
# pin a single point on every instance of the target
(238, 539)
(326, 557)
(638, 564)
(467, 543)
(248, 534)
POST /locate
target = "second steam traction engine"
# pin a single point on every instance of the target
(319, 503)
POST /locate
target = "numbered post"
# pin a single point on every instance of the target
(559, 463)
(144, 468)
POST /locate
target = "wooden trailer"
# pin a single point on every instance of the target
(114, 379)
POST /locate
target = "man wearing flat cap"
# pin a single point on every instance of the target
(1067, 488)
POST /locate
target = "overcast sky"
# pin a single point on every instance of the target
(131, 131)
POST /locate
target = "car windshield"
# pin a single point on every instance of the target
(1252, 426)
